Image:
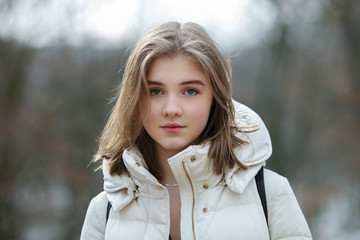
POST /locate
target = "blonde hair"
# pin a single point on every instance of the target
(124, 127)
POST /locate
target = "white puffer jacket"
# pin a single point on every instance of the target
(212, 207)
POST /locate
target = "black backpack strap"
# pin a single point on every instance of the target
(108, 211)
(259, 179)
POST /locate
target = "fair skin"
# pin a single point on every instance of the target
(178, 111)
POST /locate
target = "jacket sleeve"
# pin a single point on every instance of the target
(94, 224)
(286, 220)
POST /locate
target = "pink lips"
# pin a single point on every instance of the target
(172, 127)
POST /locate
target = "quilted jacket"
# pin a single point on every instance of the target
(212, 207)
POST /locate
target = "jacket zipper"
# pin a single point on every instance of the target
(193, 194)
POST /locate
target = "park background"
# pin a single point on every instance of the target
(295, 62)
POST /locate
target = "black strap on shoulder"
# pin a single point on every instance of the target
(108, 211)
(259, 179)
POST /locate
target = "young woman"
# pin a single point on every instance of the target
(179, 156)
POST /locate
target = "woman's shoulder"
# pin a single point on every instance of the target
(98, 205)
(100, 199)
(95, 219)
(286, 220)
(276, 186)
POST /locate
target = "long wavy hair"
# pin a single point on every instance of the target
(124, 127)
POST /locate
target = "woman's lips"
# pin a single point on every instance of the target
(172, 127)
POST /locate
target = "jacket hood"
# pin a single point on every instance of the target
(120, 190)
(254, 154)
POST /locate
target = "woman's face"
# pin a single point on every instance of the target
(180, 103)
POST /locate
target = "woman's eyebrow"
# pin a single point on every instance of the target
(193, 82)
(182, 83)
(154, 83)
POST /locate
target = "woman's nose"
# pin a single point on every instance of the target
(172, 107)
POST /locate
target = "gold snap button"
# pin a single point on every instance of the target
(205, 210)
(205, 186)
(159, 187)
(137, 164)
(193, 158)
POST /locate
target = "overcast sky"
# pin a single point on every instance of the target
(42, 23)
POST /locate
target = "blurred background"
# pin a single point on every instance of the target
(295, 62)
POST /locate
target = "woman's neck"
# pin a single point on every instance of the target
(162, 156)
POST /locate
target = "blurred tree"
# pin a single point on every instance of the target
(346, 15)
(14, 65)
(286, 89)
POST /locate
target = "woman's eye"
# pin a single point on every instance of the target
(155, 92)
(191, 92)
